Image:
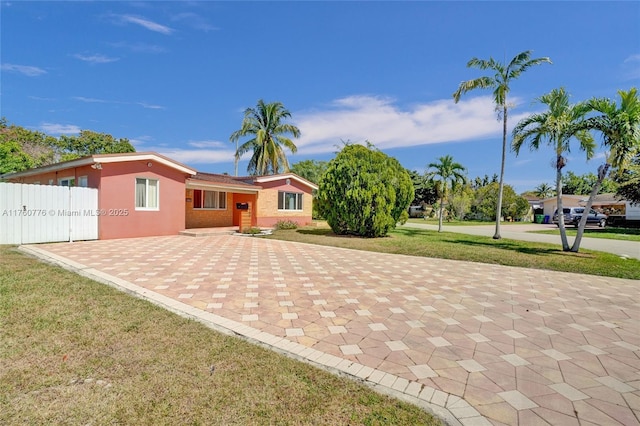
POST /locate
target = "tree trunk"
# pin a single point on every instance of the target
(497, 235)
(440, 215)
(583, 220)
(563, 230)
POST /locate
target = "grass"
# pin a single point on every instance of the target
(623, 234)
(73, 351)
(449, 245)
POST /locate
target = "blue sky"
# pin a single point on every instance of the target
(175, 77)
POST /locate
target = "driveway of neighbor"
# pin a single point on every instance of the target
(522, 232)
(477, 344)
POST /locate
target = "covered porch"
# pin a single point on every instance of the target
(219, 204)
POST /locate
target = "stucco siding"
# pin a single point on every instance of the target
(117, 196)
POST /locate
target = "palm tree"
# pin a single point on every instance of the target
(543, 191)
(557, 126)
(447, 174)
(620, 129)
(265, 124)
(499, 82)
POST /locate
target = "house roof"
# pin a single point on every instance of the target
(224, 182)
(103, 159)
(281, 176)
(598, 200)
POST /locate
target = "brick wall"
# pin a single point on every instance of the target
(201, 218)
(268, 204)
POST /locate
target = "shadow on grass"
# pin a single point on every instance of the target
(520, 248)
(408, 232)
(612, 230)
(324, 232)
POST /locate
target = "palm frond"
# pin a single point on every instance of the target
(476, 83)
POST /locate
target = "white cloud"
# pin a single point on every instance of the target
(145, 23)
(59, 129)
(199, 156)
(39, 98)
(208, 144)
(195, 21)
(27, 70)
(631, 67)
(150, 106)
(385, 124)
(139, 47)
(139, 141)
(89, 100)
(95, 59)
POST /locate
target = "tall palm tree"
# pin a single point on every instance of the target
(265, 124)
(620, 129)
(446, 174)
(543, 191)
(556, 126)
(499, 82)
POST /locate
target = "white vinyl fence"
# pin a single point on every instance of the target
(47, 213)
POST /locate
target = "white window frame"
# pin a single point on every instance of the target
(70, 181)
(216, 198)
(282, 201)
(146, 195)
(83, 181)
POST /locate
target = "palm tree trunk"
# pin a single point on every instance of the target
(563, 230)
(440, 215)
(497, 235)
(583, 220)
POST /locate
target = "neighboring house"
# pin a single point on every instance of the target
(604, 203)
(535, 207)
(145, 194)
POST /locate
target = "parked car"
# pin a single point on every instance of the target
(572, 216)
(416, 211)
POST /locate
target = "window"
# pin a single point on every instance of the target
(83, 181)
(147, 194)
(216, 200)
(289, 200)
(67, 181)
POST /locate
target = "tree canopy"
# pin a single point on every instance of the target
(311, 170)
(22, 149)
(561, 123)
(89, 142)
(500, 83)
(583, 184)
(486, 200)
(447, 175)
(265, 125)
(629, 182)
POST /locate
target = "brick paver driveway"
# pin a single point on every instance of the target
(487, 344)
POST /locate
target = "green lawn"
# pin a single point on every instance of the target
(624, 234)
(76, 352)
(449, 245)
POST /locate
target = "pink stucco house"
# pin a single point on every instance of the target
(146, 194)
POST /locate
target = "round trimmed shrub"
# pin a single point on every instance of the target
(364, 192)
